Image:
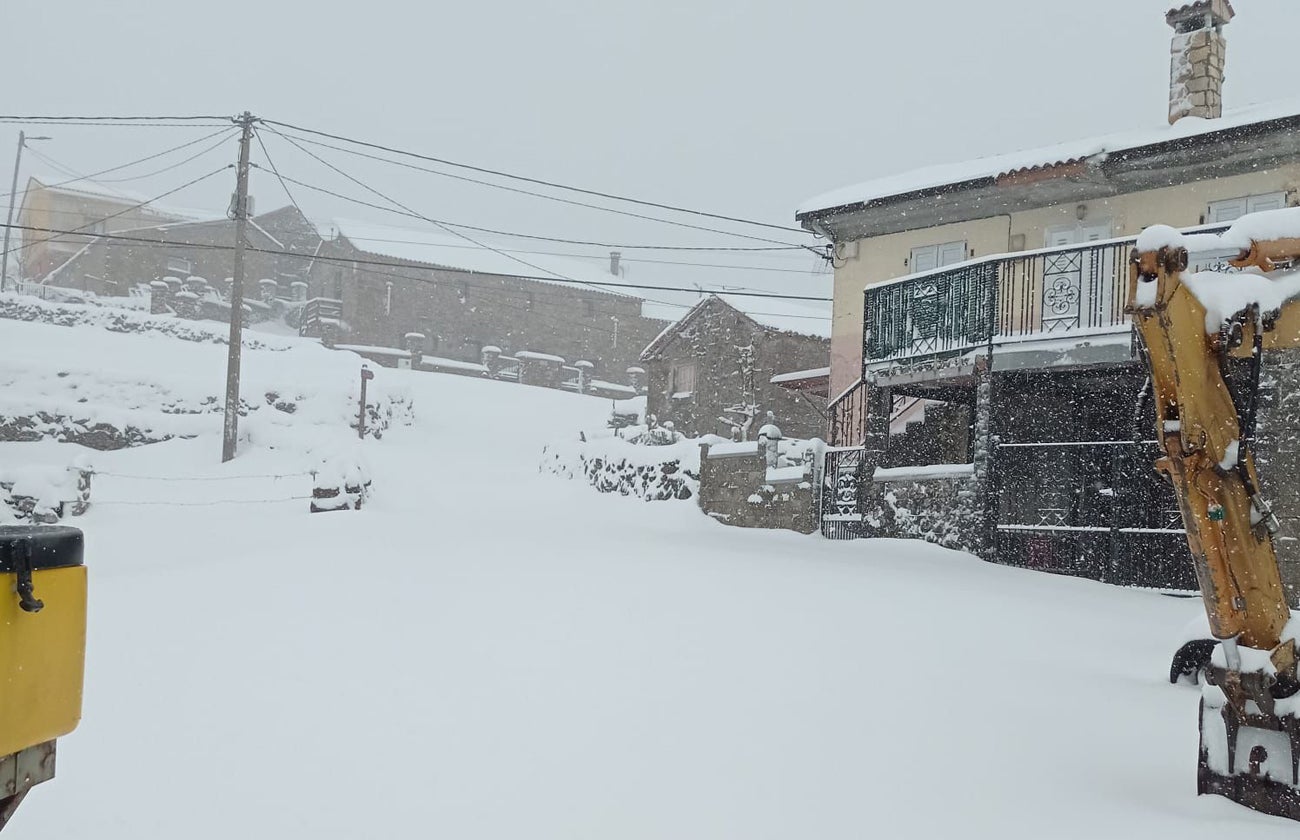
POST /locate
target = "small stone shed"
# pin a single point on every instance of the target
(711, 371)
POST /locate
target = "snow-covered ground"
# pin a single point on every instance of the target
(489, 652)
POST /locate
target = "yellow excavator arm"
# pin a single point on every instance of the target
(1205, 417)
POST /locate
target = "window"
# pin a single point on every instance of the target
(589, 307)
(336, 290)
(1234, 208)
(180, 266)
(934, 256)
(682, 380)
(388, 298)
(530, 301)
(462, 292)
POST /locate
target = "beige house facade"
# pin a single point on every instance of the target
(986, 386)
(49, 208)
(876, 259)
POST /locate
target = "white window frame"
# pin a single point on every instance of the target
(1243, 205)
(942, 253)
(174, 263)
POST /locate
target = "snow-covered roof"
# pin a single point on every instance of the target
(443, 249)
(1026, 160)
(798, 317)
(794, 316)
(800, 375)
(102, 192)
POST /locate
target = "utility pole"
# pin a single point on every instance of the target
(239, 209)
(9, 223)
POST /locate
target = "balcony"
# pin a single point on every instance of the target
(1054, 293)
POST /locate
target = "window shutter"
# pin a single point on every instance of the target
(925, 259)
(952, 252)
(1260, 203)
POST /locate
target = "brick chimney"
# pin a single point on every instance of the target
(1197, 56)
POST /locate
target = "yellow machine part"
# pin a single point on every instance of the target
(42, 658)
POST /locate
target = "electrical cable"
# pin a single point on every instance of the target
(224, 130)
(363, 203)
(121, 212)
(539, 182)
(526, 192)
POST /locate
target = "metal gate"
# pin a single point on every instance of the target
(840, 499)
(1094, 509)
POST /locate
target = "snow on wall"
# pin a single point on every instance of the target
(617, 465)
(23, 308)
(109, 391)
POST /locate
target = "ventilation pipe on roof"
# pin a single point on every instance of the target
(1197, 53)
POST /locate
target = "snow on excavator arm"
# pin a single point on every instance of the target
(1191, 326)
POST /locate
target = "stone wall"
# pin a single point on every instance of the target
(459, 314)
(736, 488)
(946, 510)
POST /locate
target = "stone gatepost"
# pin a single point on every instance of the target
(637, 379)
(160, 298)
(298, 290)
(414, 343)
(268, 290)
(186, 304)
(984, 445)
(490, 356)
(585, 370)
(879, 404)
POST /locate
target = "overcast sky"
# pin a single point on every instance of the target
(743, 107)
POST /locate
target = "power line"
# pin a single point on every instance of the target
(525, 192)
(278, 176)
(123, 211)
(115, 125)
(110, 119)
(539, 182)
(363, 203)
(574, 255)
(224, 130)
(445, 227)
(611, 287)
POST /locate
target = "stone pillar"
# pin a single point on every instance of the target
(413, 343)
(268, 290)
(160, 297)
(298, 290)
(879, 404)
(186, 304)
(491, 359)
(637, 379)
(1197, 55)
(984, 444)
(585, 370)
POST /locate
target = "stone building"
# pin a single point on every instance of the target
(457, 300)
(993, 291)
(711, 371)
(281, 245)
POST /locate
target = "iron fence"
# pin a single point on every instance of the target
(847, 417)
(840, 499)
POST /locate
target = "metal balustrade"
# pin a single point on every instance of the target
(1008, 297)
